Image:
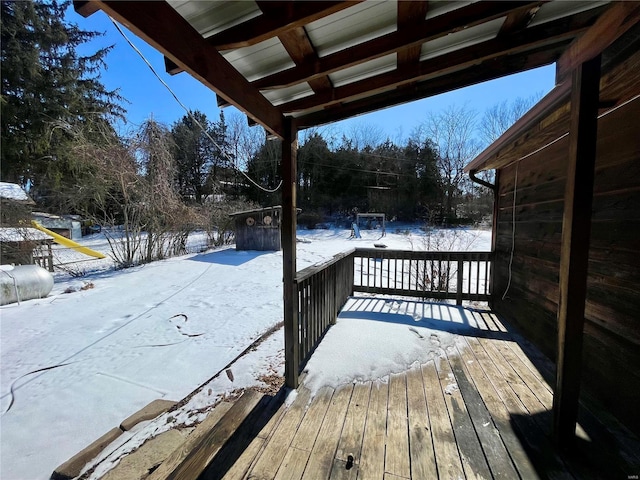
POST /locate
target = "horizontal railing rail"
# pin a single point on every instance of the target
(440, 275)
(322, 291)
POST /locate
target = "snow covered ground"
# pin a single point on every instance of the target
(74, 365)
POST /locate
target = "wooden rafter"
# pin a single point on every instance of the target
(516, 44)
(167, 31)
(410, 16)
(278, 18)
(519, 19)
(611, 25)
(300, 49)
(486, 71)
(465, 17)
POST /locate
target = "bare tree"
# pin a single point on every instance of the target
(365, 136)
(453, 133)
(498, 118)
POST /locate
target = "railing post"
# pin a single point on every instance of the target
(459, 287)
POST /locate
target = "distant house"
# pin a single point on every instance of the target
(258, 229)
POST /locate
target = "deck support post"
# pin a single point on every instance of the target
(574, 253)
(290, 294)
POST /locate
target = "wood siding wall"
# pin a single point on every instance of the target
(612, 330)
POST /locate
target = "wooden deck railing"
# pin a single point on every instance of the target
(442, 275)
(323, 289)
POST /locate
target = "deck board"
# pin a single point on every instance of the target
(397, 440)
(479, 410)
(350, 443)
(446, 451)
(324, 449)
(471, 454)
(373, 447)
(422, 456)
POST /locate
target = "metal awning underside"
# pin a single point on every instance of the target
(320, 62)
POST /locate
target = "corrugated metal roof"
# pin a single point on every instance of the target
(309, 59)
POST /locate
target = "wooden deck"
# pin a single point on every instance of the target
(482, 410)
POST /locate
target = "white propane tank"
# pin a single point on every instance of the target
(24, 282)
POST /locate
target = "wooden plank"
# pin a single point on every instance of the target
(444, 441)
(240, 468)
(574, 256)
(293, 465)
(389, 476)
(288, 233)
(372, 458)
(322, 457)
(277, 446)
(471, 454)
(397, 451)
(529, 430)
(499, 414)
(423, 460)
(353, 430)
(190, 460)
(240, 452)
(611, 25)
(307, 433)
(494, 448)
(343, 470)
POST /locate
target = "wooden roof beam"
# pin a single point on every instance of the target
(611, 25)
(559, 31)
(410, 16)
(519, 19)
(167, 31)
(276, 19)
(488, 70)
(300, 49)
(458, 19)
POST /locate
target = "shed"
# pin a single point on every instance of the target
(69, 226)
(258, 229)
(16, 205)
(25, 246)
(567, 229)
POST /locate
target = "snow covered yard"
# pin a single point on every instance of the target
(155, 331)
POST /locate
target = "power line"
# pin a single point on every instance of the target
(195, 120)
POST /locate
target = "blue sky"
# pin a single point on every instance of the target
(148, 97)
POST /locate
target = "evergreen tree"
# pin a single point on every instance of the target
(48, 91)
(202, 154)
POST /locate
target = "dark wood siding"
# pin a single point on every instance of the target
(612, 330)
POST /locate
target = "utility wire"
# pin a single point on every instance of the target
(195, 120)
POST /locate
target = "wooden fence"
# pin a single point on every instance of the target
(323, 289)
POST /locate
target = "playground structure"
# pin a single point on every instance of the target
(371, 221)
